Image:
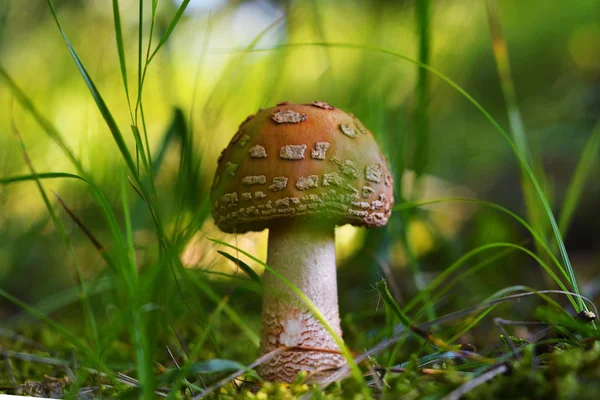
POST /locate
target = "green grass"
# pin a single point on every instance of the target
(147, 325)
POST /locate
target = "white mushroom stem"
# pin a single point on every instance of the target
(304, 253)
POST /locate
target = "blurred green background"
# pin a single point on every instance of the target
(225, 60)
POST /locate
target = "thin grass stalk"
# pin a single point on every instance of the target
(500, 51)
(121, 52)
(152, 25)
(170, 28)
(140, 52)
(138, 328)
(580, 177)
(80, 224)
(140, 145)
(149, 170)
(144, 147)
(517, 127)
(422, 15)
(39, 176)
(149, 57)
(130, 244)
(96, 95)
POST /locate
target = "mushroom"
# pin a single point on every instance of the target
(300, 170)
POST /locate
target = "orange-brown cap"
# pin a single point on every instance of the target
(301, 161)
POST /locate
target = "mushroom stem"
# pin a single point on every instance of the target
(303, 252)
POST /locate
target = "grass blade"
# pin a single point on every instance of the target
(500, 51)
(517, 127)
(121, 51)
(421, 146)
(422, 90)
(85, 230)
(152, 25)
(140, 146)
(139, 327)
(171, 27)
(243, 266)
(106, 114)
(39, 176)
(582, 174)
(140, 45)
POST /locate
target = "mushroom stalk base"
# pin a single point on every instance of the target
(304, 253)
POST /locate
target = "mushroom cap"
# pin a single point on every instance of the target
(301, 161)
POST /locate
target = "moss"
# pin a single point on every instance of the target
(564, 371)
(573, 373)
